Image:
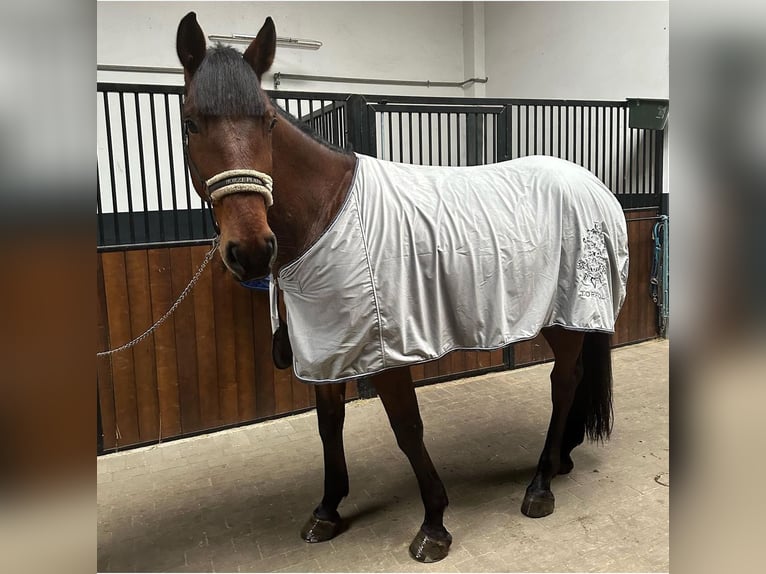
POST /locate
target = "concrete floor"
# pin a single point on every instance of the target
(234, 501)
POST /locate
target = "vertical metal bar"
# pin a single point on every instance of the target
(632, 157)
(335, 128)
(566, 133)
(659, 158)
(457, 129)
(478, 138)
(527, 130)
(449, 139)
(127, 168)
(313, 122)
(430, 139)
(470, 139)
(502, 135)
(485, 129)
(644, 162)
(370, 131)
(172, 169)
(558, 129)
(596, 133)
(542, 130)
(518, 130)
(420, 138)
(300, 112)
(590, 136)
(582, 136)
(409, 123)
(157, 179)
(401, 137)
(99, 208)
(550, 139)
(650, 171)
(611, 147)
(439, 117)
(189, 219)
(142, 166)
(390, 136)
(603, 144)
(624, 130)
(110, 151)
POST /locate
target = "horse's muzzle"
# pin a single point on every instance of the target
(250, 262)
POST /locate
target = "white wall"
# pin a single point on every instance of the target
(577, 50)
(408, 40)
(572, 50)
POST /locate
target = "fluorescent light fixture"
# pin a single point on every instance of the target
(299, 43)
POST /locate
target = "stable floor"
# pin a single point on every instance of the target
(234, 501)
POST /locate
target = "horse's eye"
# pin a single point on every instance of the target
(191, 127)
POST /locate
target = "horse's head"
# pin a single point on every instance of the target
(227, 121)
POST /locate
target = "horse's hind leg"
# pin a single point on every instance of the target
(397, 393)
(566, 375)
(325, 522)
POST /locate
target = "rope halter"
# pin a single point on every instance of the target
(240, 181)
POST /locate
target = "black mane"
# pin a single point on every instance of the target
(226, 85)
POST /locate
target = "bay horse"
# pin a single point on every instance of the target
(288, 205)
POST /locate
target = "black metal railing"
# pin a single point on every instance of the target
(460, 131)
(145, 196)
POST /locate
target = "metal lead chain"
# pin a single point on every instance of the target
(170, 311)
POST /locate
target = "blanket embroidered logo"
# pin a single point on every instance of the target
(593, 264)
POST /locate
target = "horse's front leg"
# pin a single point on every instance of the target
(325, 522)
(397, 392)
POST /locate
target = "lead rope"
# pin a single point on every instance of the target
(181, 297)
(659, 278)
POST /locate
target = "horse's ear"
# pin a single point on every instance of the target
(260, 52)
(190, 44)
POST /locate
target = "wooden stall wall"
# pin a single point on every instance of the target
(209, 365)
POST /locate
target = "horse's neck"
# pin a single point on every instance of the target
(310, 183)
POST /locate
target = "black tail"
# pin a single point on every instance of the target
(592, 411)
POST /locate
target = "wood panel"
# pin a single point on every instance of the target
(186, 346)
(210, 364)
(638, 317)
(122, 363)
(140, 305)
(207, 360)
(223, 312)
(104, 364)
(169, 406)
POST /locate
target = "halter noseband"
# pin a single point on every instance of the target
(229, 182)
(240, 181)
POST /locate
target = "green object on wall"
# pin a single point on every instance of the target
(647, 113)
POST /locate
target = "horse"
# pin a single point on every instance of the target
(288, 205)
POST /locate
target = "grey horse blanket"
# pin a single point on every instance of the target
(421, 261)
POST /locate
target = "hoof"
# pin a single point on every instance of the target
(318, 530)
(425, 548)
(566, 465)
(537, 505)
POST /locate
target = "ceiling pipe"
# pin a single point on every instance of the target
(279, 76)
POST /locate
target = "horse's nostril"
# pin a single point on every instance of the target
(231, 252)
(271, 245)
